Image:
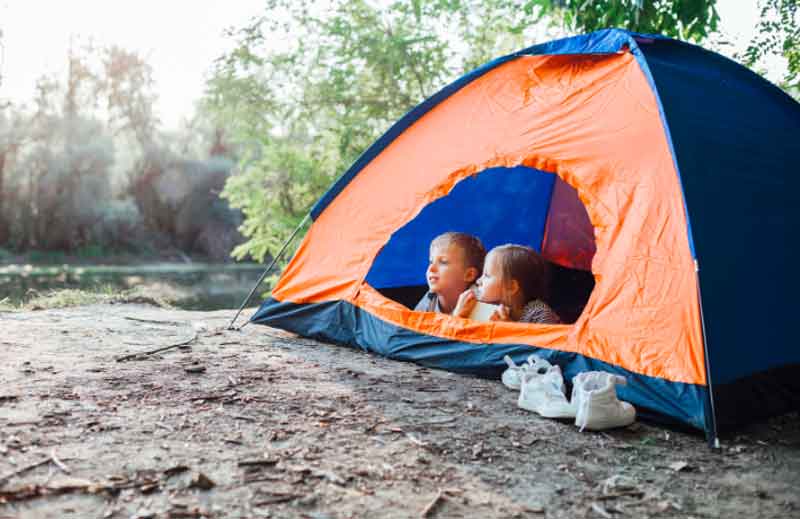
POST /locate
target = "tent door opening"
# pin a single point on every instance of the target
(499, 205)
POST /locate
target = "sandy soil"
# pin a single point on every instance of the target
(261, 423)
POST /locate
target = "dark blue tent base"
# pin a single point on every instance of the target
(343, 323)
(757, 397)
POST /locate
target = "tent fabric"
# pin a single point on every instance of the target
(737, 140)
(600, 42)
(542, 112)
(568, 238)
(614, 116)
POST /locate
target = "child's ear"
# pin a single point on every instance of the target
(513, 287)
(471, 274)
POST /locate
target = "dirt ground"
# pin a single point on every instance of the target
(261, 423)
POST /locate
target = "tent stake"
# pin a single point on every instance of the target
(266, 271)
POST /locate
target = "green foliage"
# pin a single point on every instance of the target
(311, 84)
(778, 34)
(87, 167)
(683, 19)
(300, 112)
(91, 251)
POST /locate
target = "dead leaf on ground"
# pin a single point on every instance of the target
(201, 481)
(679, 466)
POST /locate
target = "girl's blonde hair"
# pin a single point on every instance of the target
(524, 265)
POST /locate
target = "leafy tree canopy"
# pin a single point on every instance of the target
(778, 33)
(312, 83)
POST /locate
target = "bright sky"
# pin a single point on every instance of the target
(179, 38)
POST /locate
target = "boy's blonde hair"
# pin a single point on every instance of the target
(474, 251)
(526, 266)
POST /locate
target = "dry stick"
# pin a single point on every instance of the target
(625, 493)
(158, 350)
(278, 498)
(176, 323)
(428, 510)
(26, 468)
(59, 463)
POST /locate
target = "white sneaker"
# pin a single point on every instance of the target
(594, 395)
(545, 394)
(512, 377)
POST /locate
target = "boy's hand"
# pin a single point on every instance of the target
(466, 302)
(502, 313)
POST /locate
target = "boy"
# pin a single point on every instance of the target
(456, 261)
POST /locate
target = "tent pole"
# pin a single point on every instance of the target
(266, 271)
(713, 437)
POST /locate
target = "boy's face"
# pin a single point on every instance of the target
(447, 270)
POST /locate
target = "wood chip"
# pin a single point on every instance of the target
(59, 463)
(431, 507)
(601, 511)
(202, 482)
(679, 466)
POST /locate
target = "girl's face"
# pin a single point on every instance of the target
(491, 285)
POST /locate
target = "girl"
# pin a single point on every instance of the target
(515, 278)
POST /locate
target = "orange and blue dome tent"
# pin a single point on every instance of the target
(666, 172)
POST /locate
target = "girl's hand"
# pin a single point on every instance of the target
(502, 313)
(466, 302)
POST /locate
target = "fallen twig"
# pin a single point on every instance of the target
(20, 424)
(373, 426)
(174, 323)
(158, 350)
(256, 463)
(59, 463)
(601, 511)
(428, 510)
(24, 469)
(624, 493)
(278, 498)
(415, 440)
(262, 477)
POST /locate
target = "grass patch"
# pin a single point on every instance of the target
(71, 297)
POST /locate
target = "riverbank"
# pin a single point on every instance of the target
(262, 423)
(190, 286)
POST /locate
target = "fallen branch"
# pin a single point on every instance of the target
(256, 463)
(24, 469)
(278, 498)
(624, 493)
(158, 350)
(428, 510)
(174, 323)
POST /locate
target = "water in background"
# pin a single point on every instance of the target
(188, 286)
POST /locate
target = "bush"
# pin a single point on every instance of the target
(119, 225)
